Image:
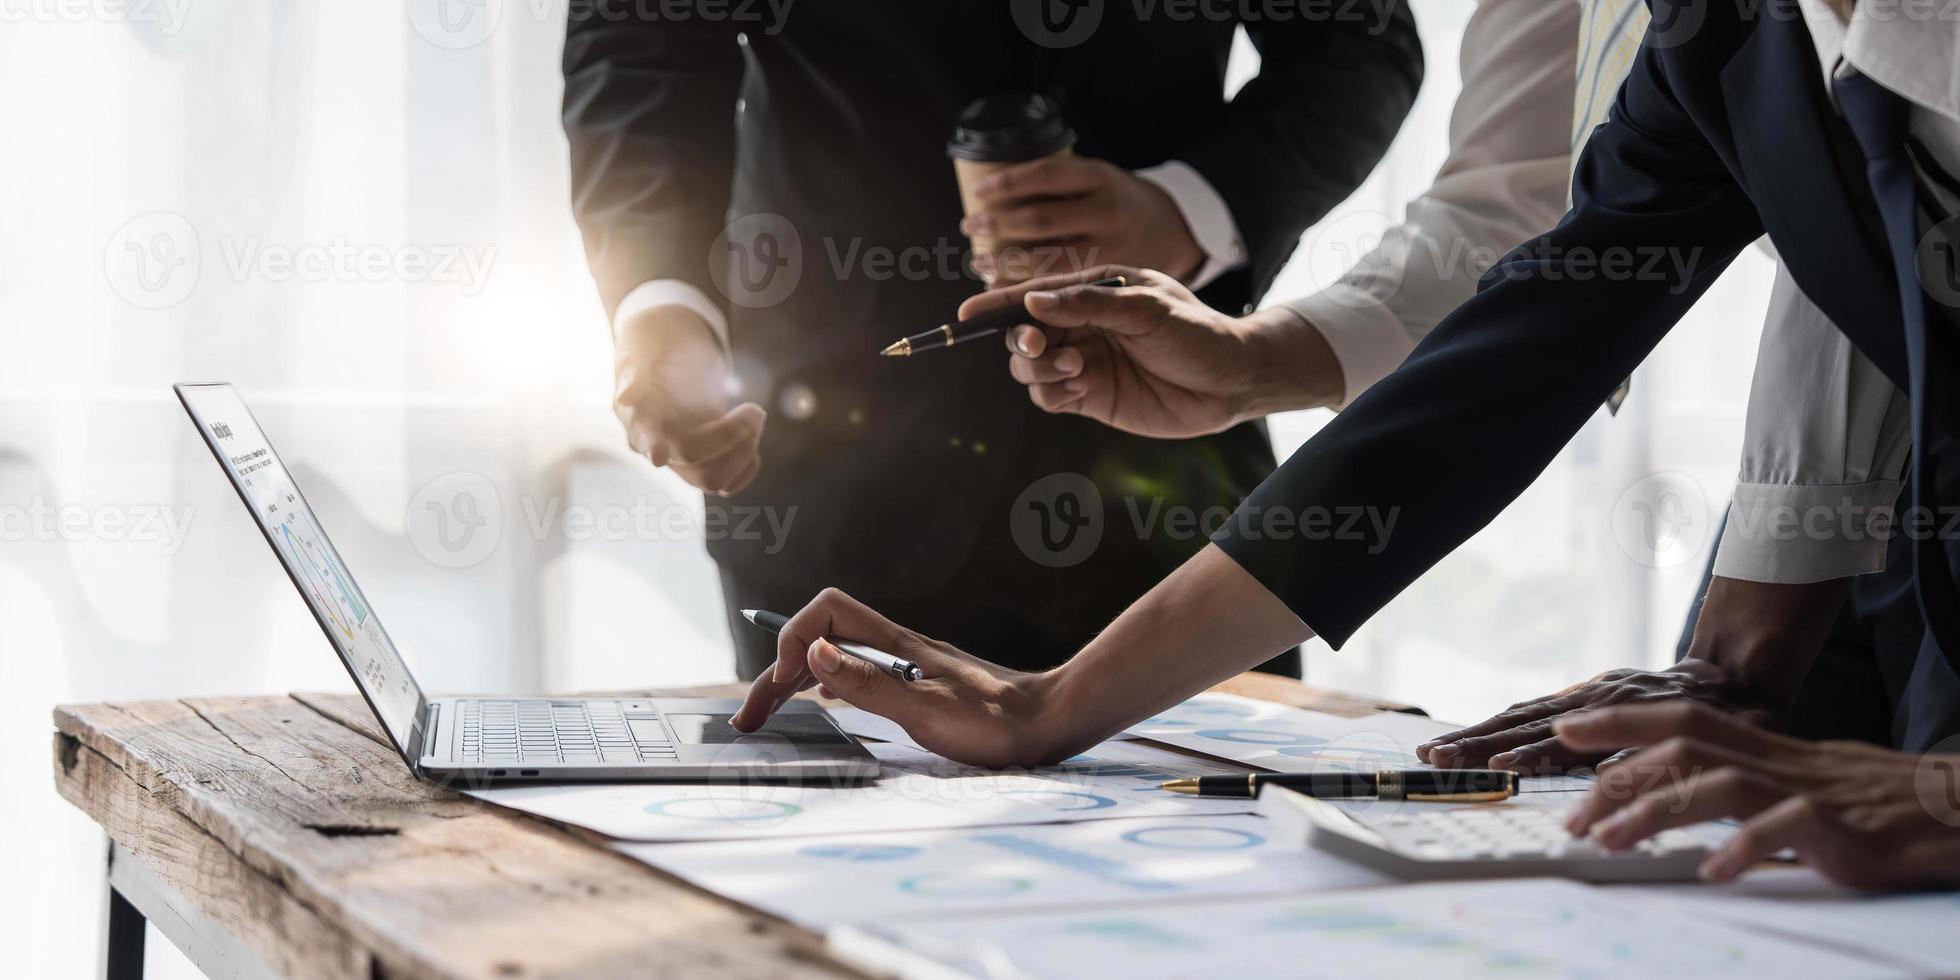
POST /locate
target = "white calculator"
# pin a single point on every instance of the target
(1521, 837)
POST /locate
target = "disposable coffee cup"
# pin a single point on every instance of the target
(1000, 131)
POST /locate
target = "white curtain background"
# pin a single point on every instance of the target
(356, 211)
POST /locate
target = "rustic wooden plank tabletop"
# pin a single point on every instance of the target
(283, 835)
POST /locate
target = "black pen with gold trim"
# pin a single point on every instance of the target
(1421, 785)
(984, 325)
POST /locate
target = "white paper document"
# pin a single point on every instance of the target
(864, 724)
(1916, 930)
(1533, 928)
(1213, 711)
(1285, 739)
(892, 877)
(919, 791)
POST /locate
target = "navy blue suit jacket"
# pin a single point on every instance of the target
(1722, 132)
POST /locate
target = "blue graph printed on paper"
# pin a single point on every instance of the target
(1094, 865)
(859, 852)
(1057, 799)
(1189, 838)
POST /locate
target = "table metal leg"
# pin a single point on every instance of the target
(124, 928)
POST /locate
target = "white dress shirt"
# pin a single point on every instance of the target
(1826, 430)
(1914, 51)
(1202, 207)
(1503, 182)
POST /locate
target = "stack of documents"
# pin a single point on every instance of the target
(1532, 928)
(1088, 869)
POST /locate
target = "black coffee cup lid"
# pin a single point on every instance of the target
(1010, 128)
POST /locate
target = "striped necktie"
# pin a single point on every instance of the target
(1609, 37)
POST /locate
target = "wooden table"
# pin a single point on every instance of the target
(282, 836)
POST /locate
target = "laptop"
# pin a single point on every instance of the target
(485, 740)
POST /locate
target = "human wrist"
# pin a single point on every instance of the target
(1060, 721)
(666, 327)
(1290, 366)
(1765, 635)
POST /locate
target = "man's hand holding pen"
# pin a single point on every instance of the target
(672, 392)
(1152, 359)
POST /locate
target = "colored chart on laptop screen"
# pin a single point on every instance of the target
(303, 547)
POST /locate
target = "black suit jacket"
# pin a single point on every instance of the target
(1723, 131)
(838, 153)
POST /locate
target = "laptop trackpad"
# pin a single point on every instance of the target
(714, 729)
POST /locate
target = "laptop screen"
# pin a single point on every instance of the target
(310, 560)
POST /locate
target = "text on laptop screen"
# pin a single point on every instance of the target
(308, 556)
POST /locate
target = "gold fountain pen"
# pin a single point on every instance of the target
(984, 325)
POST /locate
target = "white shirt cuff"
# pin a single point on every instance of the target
(1206, 214)
(1367, 339)
(656, 293)
(1794, 535)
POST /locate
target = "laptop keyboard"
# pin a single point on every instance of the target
(535, 731)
